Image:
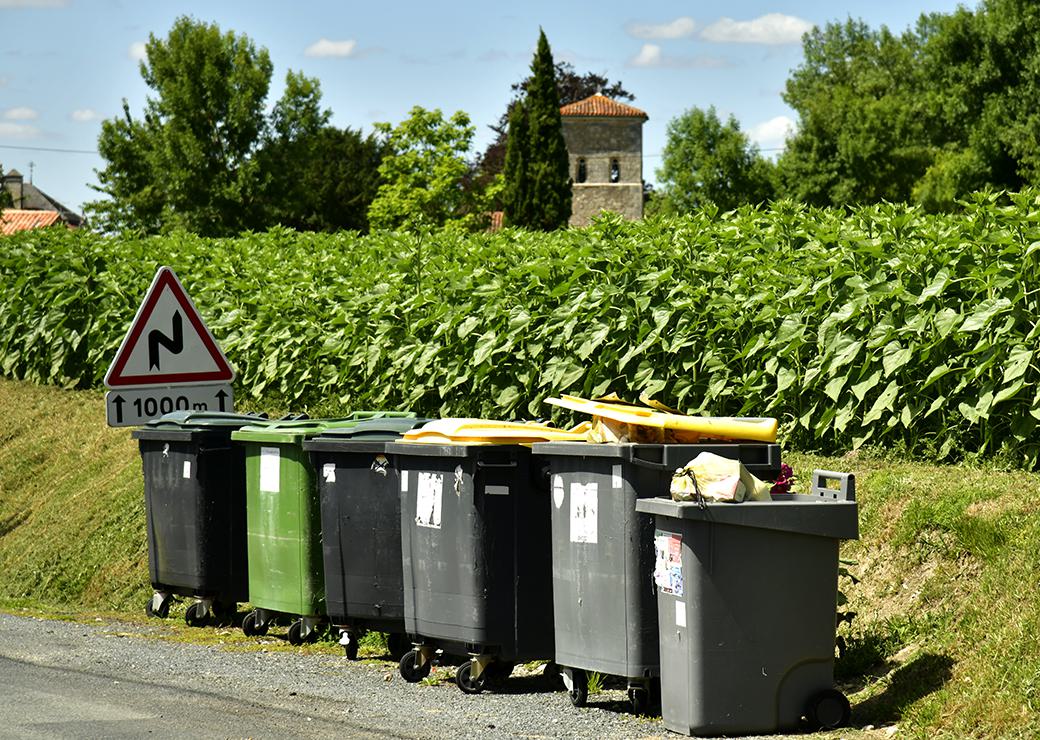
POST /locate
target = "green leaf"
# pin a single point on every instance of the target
(1017, 363)
(834, 387)
(985, 312)
(895, 357)
(861, 389)
(883, 403)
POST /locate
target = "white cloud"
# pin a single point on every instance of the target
(772, 28)
(85, 115)
(20, 114)
(17, 131)
(650, 56)
(33, 3)
(676, 29)
(326, 48)
(137, 51)
(772, 134)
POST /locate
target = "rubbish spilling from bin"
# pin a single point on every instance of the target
(713, 477)
(634, 423)
(463, 431)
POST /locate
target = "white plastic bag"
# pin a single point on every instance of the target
(712, 477)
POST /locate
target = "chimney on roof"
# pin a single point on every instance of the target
(14, 182)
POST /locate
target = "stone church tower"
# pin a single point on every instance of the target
(605, 145)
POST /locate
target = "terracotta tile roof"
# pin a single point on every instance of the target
(601, 105)
(15, 219)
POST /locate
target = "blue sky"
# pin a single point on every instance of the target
(65, 65)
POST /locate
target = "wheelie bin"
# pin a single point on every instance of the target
(603, 553)
(283, 526)
(195, 505)
(358, 488)
(477, 568)
(746, 599)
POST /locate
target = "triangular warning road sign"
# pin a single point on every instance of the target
(168, 343)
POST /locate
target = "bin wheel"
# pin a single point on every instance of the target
(251, 626)
(196, 615)
(351, 648)
(296, 633)
(828, 710)
(397, 645)
(639, 698)
(577, 683)
(464, 678)
(162, 612)
(411, 671)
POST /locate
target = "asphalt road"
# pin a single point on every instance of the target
(114, 680)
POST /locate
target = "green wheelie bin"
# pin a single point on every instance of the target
(283, 524)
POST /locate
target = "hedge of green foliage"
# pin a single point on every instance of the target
(881, 325)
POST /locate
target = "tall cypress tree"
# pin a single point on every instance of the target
(514, 197)
(542, 181)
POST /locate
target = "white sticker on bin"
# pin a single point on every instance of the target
(270, 469)
(584, 512)
(496, 490)
(680, 613)
(187, 469)
(616, 481)
(404, 481)
(328, 472)
(429, 487)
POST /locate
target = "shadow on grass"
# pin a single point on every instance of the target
(923, 675)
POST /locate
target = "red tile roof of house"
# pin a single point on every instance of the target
(601, 105)
(15, 219)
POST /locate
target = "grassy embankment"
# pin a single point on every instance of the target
(946, 640)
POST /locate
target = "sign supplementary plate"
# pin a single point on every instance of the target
(168, 344)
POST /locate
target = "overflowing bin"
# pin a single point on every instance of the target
(283, 525)
(603, 554)
(477, 564)
(746, 602)
(195, 505)
(358, 487)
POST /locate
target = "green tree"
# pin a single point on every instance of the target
(422, 174)
(864, 129)
(571, 87)
(515, 198)
(315, 177)
(545, 190)
(705, 161)
(6, 199)
(188, 164)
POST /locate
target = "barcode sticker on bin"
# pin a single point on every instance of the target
(187, 469)
(270, 469)
(616, 481)
(404, 481)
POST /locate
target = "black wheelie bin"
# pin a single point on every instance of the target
(359, 486)
(195, 504)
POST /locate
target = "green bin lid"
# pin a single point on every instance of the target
(295, 431)
(178, 425)
(374, 429)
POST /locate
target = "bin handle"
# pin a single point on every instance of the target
(846, 490)
(652, 465)
(482, 464)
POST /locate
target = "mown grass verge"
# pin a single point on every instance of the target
(944, 642)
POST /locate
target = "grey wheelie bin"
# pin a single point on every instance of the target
(477, 569)
(358, 487)
(603, 553)
(283, 525)
(746, 598)
(195, 505)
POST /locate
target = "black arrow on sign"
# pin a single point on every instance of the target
(117, 401)
(221, 395)
(157, 338)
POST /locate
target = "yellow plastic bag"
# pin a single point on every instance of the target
(712, 477)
